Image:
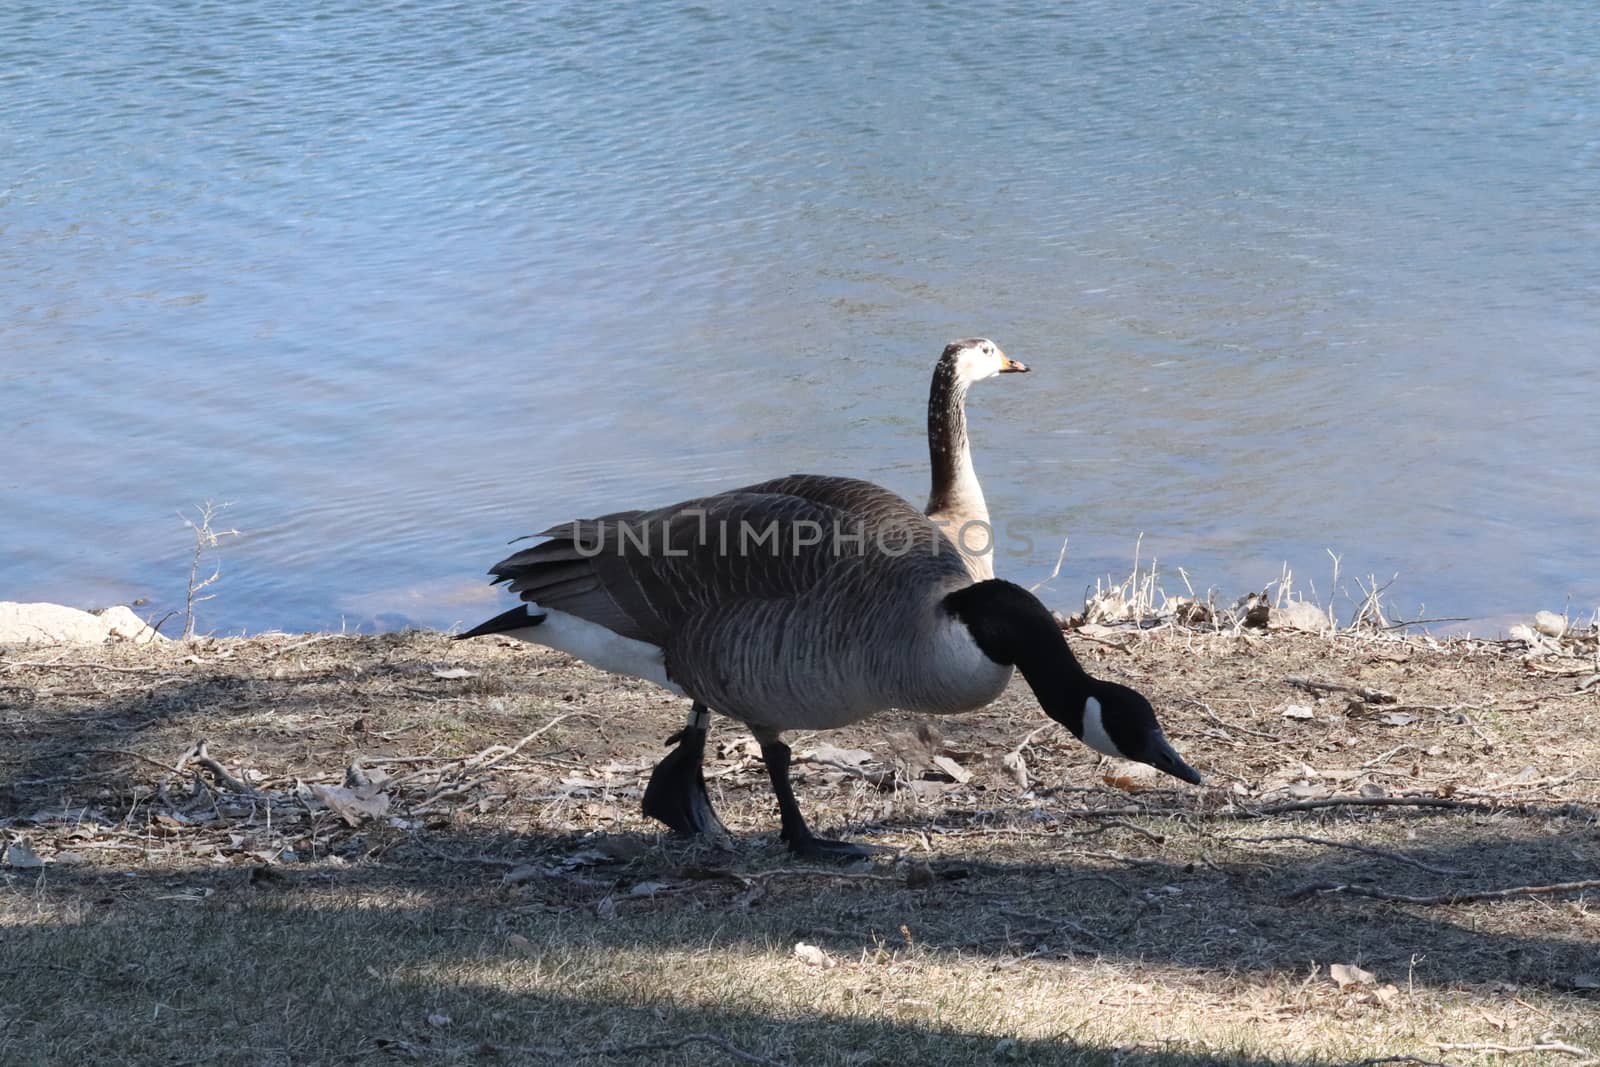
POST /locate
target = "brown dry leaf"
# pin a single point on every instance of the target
(352, 805)
(842, 757)
(812, 956)
(953, 769)
(1122, 782)
(1348, 975)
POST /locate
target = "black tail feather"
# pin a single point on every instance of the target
(518, 618)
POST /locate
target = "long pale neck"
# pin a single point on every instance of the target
(955, 483)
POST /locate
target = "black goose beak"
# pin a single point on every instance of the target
(1163, 757)
(1012, 366)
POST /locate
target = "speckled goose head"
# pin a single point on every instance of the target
(976, 358)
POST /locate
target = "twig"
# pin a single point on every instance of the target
(204, 537)
(131, 755)
(298, 645)
(1118, 824)
(1367, 802)
(1226, 725)
(1055, 921)
(514, 749)
(1371, 696)
(487, 861)
(565, 1054)
(1055, 572)
(1396, 856)
(1422, 622)
(689, 1039)
(1325, 888)
(1543, 1046)
(818, 872)
(73, 666)
(198, 754)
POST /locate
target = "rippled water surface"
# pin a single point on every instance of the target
(402, 282)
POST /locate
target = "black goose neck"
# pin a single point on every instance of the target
(947, 425)
(1011, 626)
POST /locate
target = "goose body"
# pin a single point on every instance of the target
(787, 629)
(955, 500)
(806, 602)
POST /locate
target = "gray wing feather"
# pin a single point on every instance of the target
(751, 593)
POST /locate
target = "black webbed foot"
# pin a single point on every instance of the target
(677, 793)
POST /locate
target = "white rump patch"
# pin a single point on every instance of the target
(597, 646)
(1094, 730)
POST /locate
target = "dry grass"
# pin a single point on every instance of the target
(512, 906)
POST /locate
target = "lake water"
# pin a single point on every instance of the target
(403, 281)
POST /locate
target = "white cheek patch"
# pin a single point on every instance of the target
(1094, 730)
(972, 365)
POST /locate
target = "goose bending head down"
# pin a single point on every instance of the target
(804, 603)
(955, 502)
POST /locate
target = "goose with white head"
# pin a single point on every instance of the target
(955, 502)
(803, 603)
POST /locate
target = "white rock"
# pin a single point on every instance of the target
(1300, 615)
(122, 623)
(1549, 623)
(55, 624)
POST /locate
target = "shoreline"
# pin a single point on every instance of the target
(349, 845)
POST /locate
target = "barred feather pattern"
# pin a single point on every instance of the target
(791, 627)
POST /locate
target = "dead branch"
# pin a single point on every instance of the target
(1329, 842)
(1312, 685)
(1326, 888)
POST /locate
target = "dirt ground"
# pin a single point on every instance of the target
(337, 849)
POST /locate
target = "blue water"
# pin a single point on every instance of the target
(403, 281)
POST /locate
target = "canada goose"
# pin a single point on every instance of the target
(803, 603)
(956, 503)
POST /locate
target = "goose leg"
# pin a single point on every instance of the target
(802, 842)
(677, 793)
